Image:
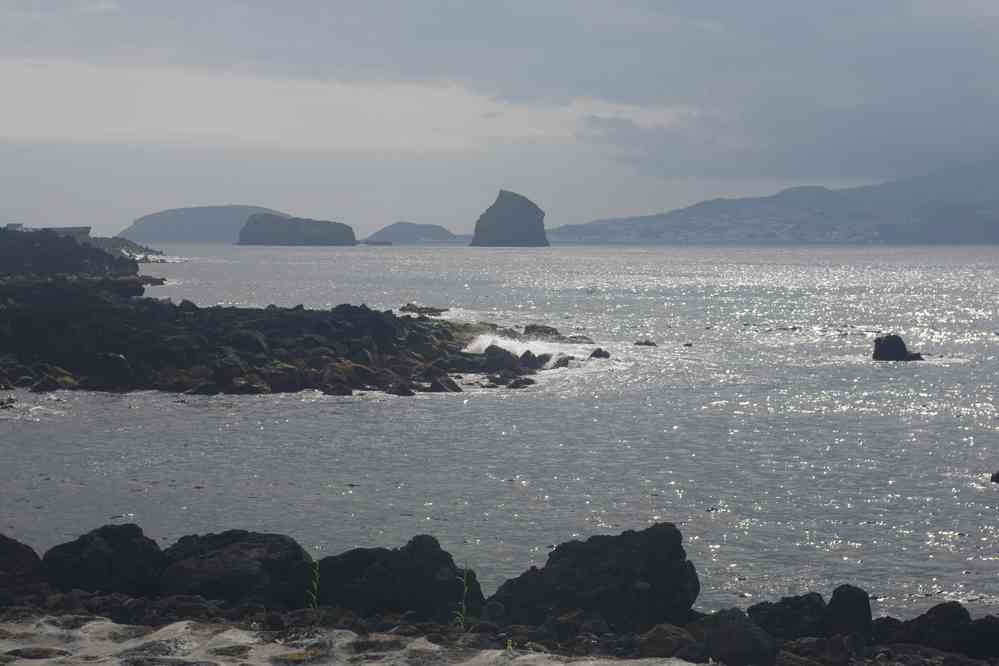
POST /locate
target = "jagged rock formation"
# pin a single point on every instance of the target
(512, 221)
(403, 233)
(269, 229)
(197, 224)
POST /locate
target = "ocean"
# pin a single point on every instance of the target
(759, 424)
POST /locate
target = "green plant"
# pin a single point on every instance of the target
(461, 614)
(312, 595)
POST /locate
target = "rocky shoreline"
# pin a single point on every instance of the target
(74, 317)
(624, 596)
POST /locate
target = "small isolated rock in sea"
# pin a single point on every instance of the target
(541, 332)
(599, 352)
(995, 478)
(892, 348)
(645, 343)
(427, 310)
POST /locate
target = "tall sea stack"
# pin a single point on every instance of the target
(512, 221)
(267, 229)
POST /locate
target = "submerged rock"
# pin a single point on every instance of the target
(892, 348)
(113, 558)
(600, 352)
(512, 221)
(634, 581)
(645, 343)
(413, 308)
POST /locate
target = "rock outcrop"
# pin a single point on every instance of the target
(733, 639)
(891, 347)
(512, 221)
(18, 562)
(47, 254)
(238, 567)
(633, 581)
(402, 233)
(270, 229)
(197, 224)
(420, 577)
(113, 558)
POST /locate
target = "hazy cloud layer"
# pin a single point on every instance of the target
(383, 110)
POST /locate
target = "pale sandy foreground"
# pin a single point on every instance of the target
(88, 640)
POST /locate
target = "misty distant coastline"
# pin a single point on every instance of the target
(952, 206)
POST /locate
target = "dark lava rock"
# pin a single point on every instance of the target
(444, 384)
(995, 478)
(239, 567)
(512, 221)
(729, 636)
(541, 332)
(635, 581)
(113, 558)
(420, 577)
(562, 362)
(664, 640)
(600, 353)
(645, 343)
(400, 388)
(413, 308)
(270, 229)
(35, 653)
(848, 612)
(791, 617)
(498, 359)
(18, 562)
(531, 362)
(520, 382)
(892, 348)
(949, 627)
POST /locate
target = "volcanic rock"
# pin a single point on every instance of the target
(113, 558)
(420, 577)
(270, 229)
(892, 348)
(635, 581)
(512, 221)
(238, 567)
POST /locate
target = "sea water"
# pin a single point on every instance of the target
(759, 424)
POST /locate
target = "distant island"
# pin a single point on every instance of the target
(198, 224)
(959, 205)
(512, 221)
(270, 229)
(409, 233)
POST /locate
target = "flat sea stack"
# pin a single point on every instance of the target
(268, 229)
(512, 221)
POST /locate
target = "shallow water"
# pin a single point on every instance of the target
(789, 459)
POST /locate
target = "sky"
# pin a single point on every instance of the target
(383, 110)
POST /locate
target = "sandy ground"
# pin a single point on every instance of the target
(73, 639)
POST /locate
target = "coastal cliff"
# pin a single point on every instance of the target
(269, 229)
(512, 221)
